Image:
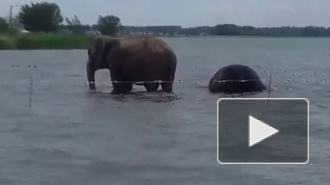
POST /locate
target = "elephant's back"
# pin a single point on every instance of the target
(235, 72)
(148, 51)
(145, 44)
(146, 58)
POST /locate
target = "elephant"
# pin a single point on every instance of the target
(141, 60)
(235, 74)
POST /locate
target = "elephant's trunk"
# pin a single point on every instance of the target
(90, 76)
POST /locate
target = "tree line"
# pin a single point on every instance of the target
(47, 17)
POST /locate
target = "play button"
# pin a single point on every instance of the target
(259, 131)
(262, 131)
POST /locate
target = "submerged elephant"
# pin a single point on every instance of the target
(236, 79)
(130, 60)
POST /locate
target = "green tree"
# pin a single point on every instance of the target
(73, 21)
(109, 25)
(4, 26)
(74, 25)
(41, 17)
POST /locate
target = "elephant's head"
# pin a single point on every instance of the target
(97, 56)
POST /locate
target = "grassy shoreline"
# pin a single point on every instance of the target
(66, 42)
(43, 41)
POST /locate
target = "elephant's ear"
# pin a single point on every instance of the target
(107, 47)
(95, 52)
(93, 48)
(90, 52)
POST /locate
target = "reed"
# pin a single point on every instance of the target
(6, 43)
(44, 42)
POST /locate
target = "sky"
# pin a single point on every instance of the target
(187, 13)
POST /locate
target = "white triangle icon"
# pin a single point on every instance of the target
(259, 131)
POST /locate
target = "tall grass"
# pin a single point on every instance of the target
(44, 41)
(6, 43)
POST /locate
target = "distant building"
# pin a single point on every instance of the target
(178, 35)
(92, 32)
(24, 31)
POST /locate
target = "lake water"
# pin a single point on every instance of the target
(73, 136)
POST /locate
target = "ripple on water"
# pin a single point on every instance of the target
(158, 97)
(73, 137)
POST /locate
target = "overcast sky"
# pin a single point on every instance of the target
(194, 12)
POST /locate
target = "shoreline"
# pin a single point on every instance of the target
(80, 42)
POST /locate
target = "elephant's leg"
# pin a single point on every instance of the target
(121, 88)
(118, 86)
(127, 88)
(167, 87)
(116, 89)
(151, 87)
(91, 76)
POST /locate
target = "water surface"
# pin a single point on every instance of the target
(73, 136)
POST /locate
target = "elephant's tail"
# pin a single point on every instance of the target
(172, 67)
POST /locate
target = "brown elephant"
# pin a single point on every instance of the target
(234, 79)
(132, 59)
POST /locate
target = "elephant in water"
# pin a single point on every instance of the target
(235, 84)
(130, 60)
